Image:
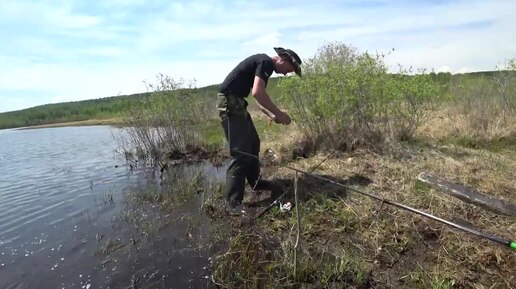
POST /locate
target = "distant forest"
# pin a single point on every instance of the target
(119, 106)
(102, 108)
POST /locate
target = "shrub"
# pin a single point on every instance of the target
(347, 97)
(168, 126)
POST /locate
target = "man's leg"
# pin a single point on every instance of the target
(237, 131)
(253, 175)
(254, 167)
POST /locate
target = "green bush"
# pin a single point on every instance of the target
(346, 96)
(166, 123)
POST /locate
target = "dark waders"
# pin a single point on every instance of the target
(242, 136)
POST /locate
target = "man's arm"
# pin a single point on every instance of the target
(265, 103)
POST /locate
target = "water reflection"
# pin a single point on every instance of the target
(63, 213)
(163, 237)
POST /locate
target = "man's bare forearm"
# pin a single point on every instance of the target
(265, 104)
(266, 111)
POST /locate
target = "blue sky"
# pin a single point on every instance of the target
(55, 51)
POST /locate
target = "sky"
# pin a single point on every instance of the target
(58, 51)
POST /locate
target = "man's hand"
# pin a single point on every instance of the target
(265, 104)
(282, 118)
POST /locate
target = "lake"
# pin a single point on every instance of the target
(63, 203)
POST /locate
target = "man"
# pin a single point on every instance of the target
(250, 75)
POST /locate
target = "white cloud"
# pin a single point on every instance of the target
(53, 15)
(121, 3)
(62, 83)
(443, 68)
(265, 41)
(104, 51)
(70, 51)
(63, 18)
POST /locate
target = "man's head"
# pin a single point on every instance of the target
(288, 61)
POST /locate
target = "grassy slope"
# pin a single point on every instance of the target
(350, 240)
(110, 109)
(115, 107)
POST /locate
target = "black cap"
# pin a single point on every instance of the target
(292, 57)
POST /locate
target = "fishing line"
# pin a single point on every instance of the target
(500, 240)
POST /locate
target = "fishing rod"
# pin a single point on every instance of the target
(503, 241)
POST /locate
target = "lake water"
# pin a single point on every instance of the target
(62, 194)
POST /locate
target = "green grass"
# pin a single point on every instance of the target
(494, 145)
(214, 134)
(118, 106)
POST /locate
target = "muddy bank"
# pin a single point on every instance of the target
(345, 240)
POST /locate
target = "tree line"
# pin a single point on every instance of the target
(120, 106)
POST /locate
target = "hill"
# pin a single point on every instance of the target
(118, 106)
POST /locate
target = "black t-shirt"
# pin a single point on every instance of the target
(240, 80)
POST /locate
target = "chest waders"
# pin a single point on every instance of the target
(241, 135)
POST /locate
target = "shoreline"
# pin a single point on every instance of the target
(108, 121)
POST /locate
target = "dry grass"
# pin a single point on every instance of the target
(395, 244)
(451, 121)
(385, 247)
(351, 241)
